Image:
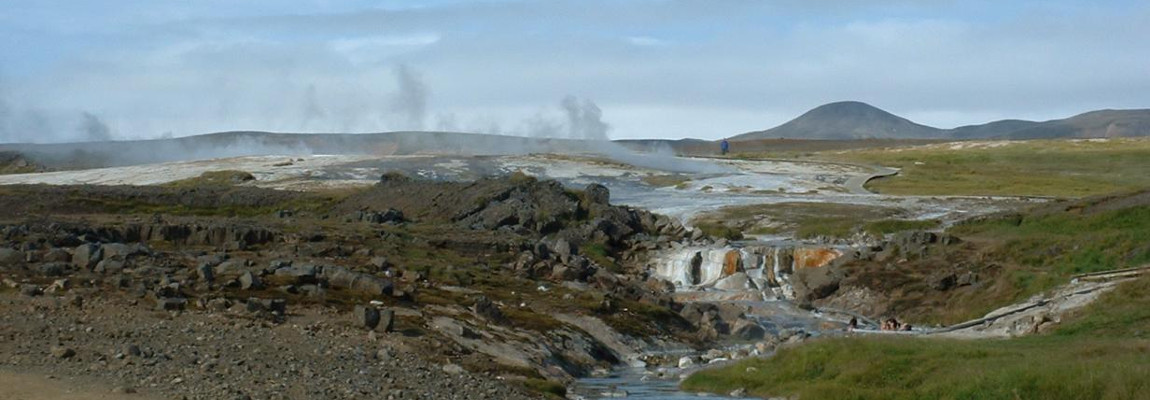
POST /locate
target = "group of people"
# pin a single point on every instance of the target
(890, 324)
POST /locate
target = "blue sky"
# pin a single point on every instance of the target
(656, 68)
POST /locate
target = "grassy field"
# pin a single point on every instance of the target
(1060, 168)
(808, 220)
(1102, 353)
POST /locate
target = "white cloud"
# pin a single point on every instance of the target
(656, 68)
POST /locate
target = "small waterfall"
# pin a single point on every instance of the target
(765, 270)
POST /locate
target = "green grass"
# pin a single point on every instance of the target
(676, 180)
(546, 387)
(214, 178)
(720, 231)
(1060, 168)
(1103, 353)
(1051, 247)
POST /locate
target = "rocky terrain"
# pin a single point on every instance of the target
(498, 288)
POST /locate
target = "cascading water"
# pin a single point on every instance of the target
(727, 272)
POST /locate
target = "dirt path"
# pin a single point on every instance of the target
(856, 183)
(29, 386)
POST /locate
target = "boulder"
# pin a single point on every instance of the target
(171, 303)
(11, 257)
(736, 282)
(274, 306)
(109, 266)
(366, 316)
(249, 281)
(748, 330)
(815, 283)
(205, 273)
(597, 194)
(120, 251)
(563, 250)
(232, 267)
(298, 274)
(342, 278)
(87, 255)
(53, 255)
(386, 320)
(53, 269)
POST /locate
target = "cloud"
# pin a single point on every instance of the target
(674, 68)
(647, 41)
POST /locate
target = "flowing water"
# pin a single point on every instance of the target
(636, 384)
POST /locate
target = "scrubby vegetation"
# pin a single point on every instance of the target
(1103, 353)
(1044, 248)
(807, 220)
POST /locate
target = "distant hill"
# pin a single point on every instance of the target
(1094, 124)
(846, 120)
(856, 120)
(247, 143)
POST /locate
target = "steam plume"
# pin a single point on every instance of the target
(411, 99)
(312, 112)
(93, 129)
(585, 119)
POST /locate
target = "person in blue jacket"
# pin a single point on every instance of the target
(724, 147)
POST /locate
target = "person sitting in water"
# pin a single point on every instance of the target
(853, 324)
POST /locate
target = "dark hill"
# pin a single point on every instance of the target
(846, 120)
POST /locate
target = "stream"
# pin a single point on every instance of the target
(645, 383)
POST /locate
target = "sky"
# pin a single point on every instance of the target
(74, 70)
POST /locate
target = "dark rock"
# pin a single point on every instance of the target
(386, 320)
(366, 316)
(695, 274)
(53, 255)
(30, 290)
(380, 263)
(275, 306)
(171, 303)
(11, 257)
(748, 330)
(944, 282)
(205, 273)
(815, 283)
(485, 308)
(597, 194)
(62, 352)
(53, 269)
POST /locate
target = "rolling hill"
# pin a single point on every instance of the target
(849, 120)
